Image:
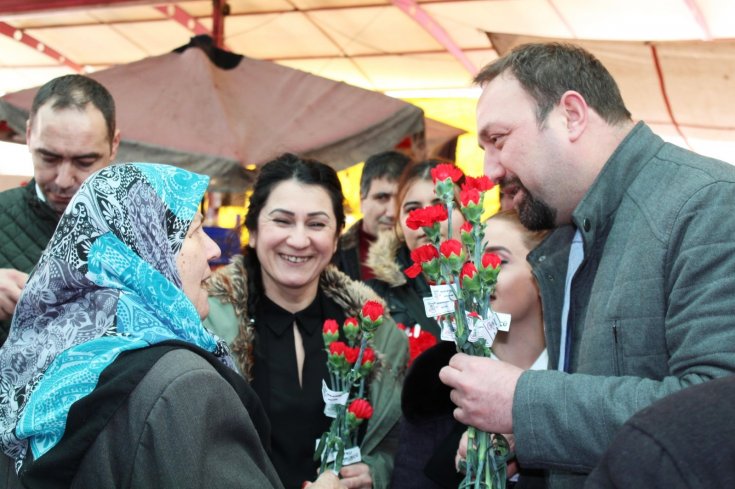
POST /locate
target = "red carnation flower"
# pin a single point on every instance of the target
(337, 348)
(450, 247)
(414, 270)
(361, 409)
(482, 183)
(444, 171)
(330, 326)
(466, 227)
(330, 331)
(351, 354)
(426, 216)
(424, 253)
(368, 356)
(468, 271)
(373, 310)
(351, 329)
(469, 196)
(491, 260)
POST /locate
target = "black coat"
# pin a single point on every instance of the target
(684, 440)
(429, 434)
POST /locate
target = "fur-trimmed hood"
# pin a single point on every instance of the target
(230, 285)
(350, 239)
(383, 259)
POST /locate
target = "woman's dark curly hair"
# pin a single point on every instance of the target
(286, 167)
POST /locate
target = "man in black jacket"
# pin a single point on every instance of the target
(70, 133)
(378, 184)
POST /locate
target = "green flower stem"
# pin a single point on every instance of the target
(481, 456)
(361, 392)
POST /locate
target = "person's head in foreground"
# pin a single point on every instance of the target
(548, 118)
(124, 270)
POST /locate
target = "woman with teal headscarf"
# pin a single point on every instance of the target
(108, 378)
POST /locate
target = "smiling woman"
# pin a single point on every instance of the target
(271, 303)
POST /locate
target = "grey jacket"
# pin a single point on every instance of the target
(652, 302)
(182, 427)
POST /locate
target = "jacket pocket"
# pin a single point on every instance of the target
(617, 345)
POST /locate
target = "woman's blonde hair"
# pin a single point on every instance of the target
(531, 239)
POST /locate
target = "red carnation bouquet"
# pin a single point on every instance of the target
(462, 278)
(350, 363)
(419, 340)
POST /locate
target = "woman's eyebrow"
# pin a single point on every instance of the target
(290, 213)
(493, 249)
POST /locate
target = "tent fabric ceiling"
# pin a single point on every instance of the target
(369, 43)
(239, 111)
(678, 87)
(384, 45)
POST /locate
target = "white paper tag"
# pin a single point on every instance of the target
(442, 293)
(501, 319)
(447, 333)
(481, 329)
(487, 329)
(436, 309)
(352, 455)
(332, 399)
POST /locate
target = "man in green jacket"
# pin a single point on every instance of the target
(70, 133)
(637, 279)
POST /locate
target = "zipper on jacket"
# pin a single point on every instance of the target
(616, 356)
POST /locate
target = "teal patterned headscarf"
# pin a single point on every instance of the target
(107, 283)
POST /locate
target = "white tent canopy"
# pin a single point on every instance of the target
(683, 89)
(409, 47)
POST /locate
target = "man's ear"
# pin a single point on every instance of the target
(28, 132)
(115, 145)
(576, 113)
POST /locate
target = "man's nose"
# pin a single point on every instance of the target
(65, 175)
(390, 210)
(493, 169)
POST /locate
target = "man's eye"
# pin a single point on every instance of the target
(85, 163)
(497, 140)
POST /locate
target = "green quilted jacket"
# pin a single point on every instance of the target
(26, 226)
